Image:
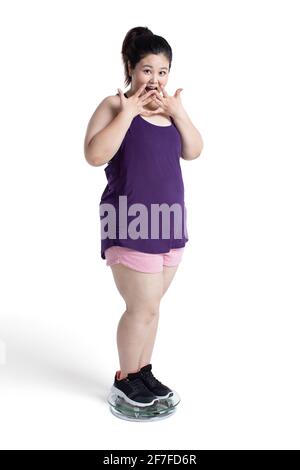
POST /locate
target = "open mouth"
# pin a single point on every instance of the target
(147, 89)
(150, 88)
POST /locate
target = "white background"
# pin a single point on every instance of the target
(228, 339)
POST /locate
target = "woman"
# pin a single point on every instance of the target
(141, 135)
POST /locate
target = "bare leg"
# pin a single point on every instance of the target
(149, 343)
(142, 294)
(133, 330)
(168, 275)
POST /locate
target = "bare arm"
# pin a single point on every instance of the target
(192, 143)
(106, 131)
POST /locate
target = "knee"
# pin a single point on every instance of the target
(152, 312)
(145, 313)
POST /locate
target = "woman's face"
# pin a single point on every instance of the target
(152, 70)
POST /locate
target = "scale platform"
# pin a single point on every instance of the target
(159, 410)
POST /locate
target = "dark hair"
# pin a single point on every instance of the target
(138, 43)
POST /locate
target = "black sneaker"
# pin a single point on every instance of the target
(133, 390)
(160, 390)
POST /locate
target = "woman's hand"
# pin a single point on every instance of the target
(170, 105)
(134, 105)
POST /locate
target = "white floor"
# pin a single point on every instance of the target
(237, 391)
(53, 396)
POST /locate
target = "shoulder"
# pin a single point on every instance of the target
(114, 102)
(104, 113)
(110, 103)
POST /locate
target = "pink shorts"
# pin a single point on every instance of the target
(143, 262)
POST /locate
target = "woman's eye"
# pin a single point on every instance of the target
(150, 70)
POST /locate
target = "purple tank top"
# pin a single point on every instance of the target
(142, 206)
